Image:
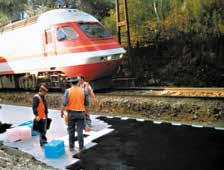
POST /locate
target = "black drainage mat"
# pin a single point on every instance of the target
(137, 145)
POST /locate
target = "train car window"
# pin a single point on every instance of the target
(94, 30)
(66, 33)
(48, 37)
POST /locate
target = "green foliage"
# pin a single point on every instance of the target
(10, 10)
(98, 8)
(162, 20)
(139, 13)
(34, 7)
(110, 22)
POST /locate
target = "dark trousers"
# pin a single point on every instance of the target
(43, 138)
(75, 119)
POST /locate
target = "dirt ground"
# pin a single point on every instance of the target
(14, 159)
(189, 110)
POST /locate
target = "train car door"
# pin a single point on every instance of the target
(49, 42)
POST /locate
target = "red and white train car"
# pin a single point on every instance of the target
(54, 46)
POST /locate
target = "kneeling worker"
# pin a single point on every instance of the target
(73, 103)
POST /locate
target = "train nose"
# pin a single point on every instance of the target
(112, 57)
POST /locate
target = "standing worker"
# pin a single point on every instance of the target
(86, 86)
(40, 111)
(90, 99)
(73, 103)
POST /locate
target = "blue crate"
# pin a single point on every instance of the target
(54, 149)
(30, 124)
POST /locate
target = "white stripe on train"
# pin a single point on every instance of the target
(64, 60)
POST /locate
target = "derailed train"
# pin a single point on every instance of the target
(54, 46)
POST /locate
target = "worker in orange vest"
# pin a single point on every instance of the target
(73, 103)
(40, 111)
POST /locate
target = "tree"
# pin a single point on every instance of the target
(98, 8)
(10, 10)
(140, 12)
(162, 20)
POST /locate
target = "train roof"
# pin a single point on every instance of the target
(53, 17)
(64, 15)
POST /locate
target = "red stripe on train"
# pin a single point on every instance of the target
(86, 49)
(92, 71)
(2, 60)
(6, 72)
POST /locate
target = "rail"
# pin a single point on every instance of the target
(169, 92)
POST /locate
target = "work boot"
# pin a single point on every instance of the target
(81, 149)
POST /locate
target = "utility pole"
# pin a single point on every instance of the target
(122, 23)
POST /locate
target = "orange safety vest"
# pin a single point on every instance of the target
(40, 108)
(75, 99)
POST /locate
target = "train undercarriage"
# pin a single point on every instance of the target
(56, 80)
(27, 81)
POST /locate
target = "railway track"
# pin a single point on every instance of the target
(150, 92)
(168, 92)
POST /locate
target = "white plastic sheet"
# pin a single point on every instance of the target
(16, 115)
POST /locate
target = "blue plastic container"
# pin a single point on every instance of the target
(54, 149)
(30, 124)
(27, 123)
